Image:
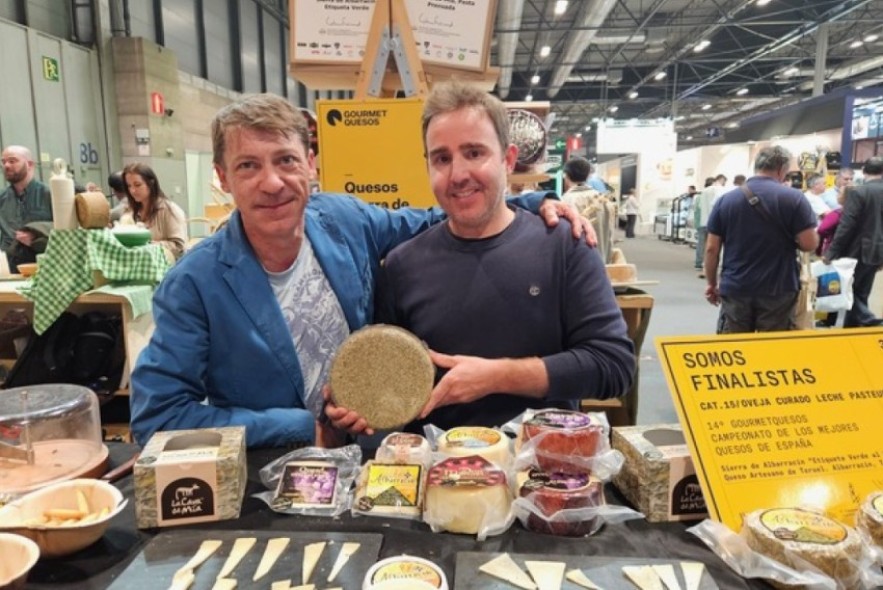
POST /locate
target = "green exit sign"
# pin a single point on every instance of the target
(51, 71)
(560, 144)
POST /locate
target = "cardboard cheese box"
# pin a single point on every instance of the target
(658, 475)
(189, 476)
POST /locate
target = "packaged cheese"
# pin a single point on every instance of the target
(563, 440)
(465, 441)
(467, 495)
(405, 572)
(869, 519)
(390, 489)
(404, 447)
(559, 503)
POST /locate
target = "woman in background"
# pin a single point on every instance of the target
(149, 205)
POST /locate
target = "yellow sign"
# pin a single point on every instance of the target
(781, 420)
(374, 149)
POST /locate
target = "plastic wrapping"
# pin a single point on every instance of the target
(869, 523)
(468, 495)
(492, 444)
(790, 570)
(564, 504)
(311, 481)
(404, 448)
(565, 441)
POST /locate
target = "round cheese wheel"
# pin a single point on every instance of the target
(553, 492)
(565, 440)
(464, 441)
(869, 518)
(794, 535)
(383, 373)
(405, 572)
(93, 210)
(466, 495)
(404, 447)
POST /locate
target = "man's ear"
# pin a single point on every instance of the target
(311, 161)
(511, 156)
(222, 176)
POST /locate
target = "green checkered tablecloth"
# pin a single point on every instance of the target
(66, 272)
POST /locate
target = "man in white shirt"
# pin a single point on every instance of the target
(816, 186)
(845, 176)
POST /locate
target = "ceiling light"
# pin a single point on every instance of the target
(859, 86)
(545, 50)
(705, 107)
(595, 119)
(763, 2)
(529, 97)
(659, 76)
(732, 125)
(588, 127)
(633, 94)
(680, 117)
(742, 92)
(689, 138)
(792, 71)
(855, 44)
(560, 7)
(871, 38)
(535, 79)
(613, 109)
(701, 45)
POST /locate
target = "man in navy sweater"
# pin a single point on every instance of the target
(516, 315)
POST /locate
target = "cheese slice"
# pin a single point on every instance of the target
(274, 549)
(312, 553)
(547, 574)
(692, 573)
(240, 548)
(504, 568)
(281, 585)
(304, 587)
(666, 573)
(580, 579)
(184, 577)
(224, 584)
(345, 552)
(643, 576)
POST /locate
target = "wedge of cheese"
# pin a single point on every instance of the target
(666, 573)
(274, 549)
(312, 554)
(693, 571)
(346, 551)
(504, 568)
(643, 576)
(580, 579)
(548, 575)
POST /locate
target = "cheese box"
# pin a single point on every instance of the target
(658, 475)
(190, 476)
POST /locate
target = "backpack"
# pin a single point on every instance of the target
(84, 350)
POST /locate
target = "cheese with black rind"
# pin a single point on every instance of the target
(550, 493)
(869, 518)
(384, 374)
(795, 537)
(466, 495)
(563, 440)
(464, 441)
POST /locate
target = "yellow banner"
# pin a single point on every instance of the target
(786, 419)
(374, 149)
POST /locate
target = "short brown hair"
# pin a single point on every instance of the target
(262, 112)
(453, 95)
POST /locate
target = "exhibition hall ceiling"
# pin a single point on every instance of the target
(709, 64)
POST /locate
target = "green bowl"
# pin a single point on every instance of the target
(130, 239)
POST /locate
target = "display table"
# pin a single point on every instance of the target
(102, 564)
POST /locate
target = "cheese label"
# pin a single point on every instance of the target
(404, 440)
(307, 484)
(561, 419)
(877, 504)
(472, 437)
(407, 569)
(471, 471)
(801, 526)
(558, 481)
(391, 485)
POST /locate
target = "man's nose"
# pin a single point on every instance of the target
(459, 168)
(271, 181)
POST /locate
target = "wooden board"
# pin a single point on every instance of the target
(157, 563)
(606, 572)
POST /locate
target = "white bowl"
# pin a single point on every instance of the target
(19, 556)
(21, 515)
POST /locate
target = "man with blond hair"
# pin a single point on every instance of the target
(24, 201)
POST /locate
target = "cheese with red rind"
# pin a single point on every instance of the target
(550, 493)
(563, 440)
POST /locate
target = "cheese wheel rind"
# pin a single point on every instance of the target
(466, 495)
(464, 441)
